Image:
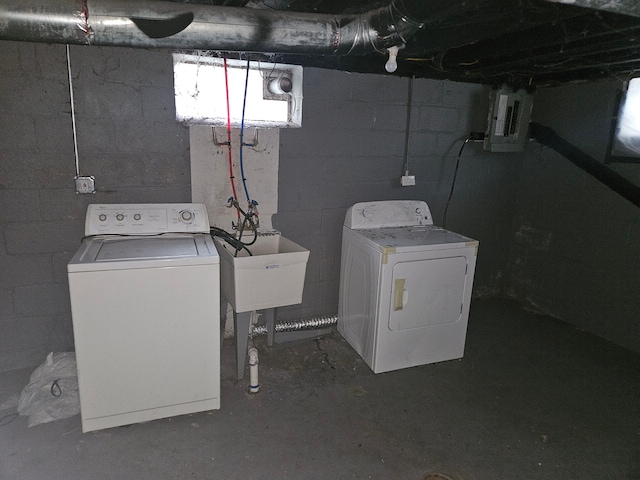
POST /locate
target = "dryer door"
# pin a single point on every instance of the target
(427, 292)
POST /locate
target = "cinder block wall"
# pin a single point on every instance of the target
(350, 149)
(576, 244)
(127, 138)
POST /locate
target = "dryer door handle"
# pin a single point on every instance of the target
(400, 295)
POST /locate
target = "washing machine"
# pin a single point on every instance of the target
(144, 288)
(405, 285)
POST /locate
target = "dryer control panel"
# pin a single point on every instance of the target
(388, 213)
(146, 218)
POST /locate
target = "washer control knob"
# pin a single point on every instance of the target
(137, 216)
(102, 217)
(186, 216)
(120, 217)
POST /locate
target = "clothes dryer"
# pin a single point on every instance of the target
(405, 285)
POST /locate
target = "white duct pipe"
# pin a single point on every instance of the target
(254, 385)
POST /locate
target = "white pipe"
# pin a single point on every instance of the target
(254, 385)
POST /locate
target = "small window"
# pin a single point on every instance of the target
(625, 131)
(273, 94)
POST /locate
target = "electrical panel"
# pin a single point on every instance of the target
(508, 122)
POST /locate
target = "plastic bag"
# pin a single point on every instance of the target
(52, 392)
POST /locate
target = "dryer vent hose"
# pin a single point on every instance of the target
(312, 323)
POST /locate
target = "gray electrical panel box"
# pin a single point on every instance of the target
(508, 122)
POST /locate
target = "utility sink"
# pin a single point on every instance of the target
(272, 277)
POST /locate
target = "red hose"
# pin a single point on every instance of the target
(231, 177)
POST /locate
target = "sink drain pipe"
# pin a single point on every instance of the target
(254, 384)
(312, 323)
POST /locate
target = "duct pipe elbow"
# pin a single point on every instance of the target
(376, 30)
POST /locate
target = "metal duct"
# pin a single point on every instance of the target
(191, 26)
(162, 24)
(297, 325)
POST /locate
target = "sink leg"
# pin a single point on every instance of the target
(223, 318)
(241, 323)
(270, 315)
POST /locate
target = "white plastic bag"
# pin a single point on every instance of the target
(52, 392)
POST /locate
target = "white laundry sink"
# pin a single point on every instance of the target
(272, 277)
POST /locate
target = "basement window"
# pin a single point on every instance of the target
(625, 132)
(273, 97)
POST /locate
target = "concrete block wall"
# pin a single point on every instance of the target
(576, 244)
(350, 149)
(127, 138)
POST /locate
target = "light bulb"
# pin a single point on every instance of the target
(392, 65)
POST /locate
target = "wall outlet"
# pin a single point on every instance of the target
(408, 180)
(86, 184)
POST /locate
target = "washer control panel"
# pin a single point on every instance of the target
(388, 213)
(146, 218)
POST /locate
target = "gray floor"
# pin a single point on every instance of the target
(533, 398)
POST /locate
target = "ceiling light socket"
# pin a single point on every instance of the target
(392, 63)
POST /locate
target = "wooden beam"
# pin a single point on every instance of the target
(624, 7)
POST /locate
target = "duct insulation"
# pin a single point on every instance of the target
(195, 26)
(313, 323)
(162, 24)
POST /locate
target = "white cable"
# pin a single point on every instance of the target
(73, 113)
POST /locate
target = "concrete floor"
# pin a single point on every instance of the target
(533, 398)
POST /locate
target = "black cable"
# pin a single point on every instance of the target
(247, 217)
(236, 242)
(87, 237)
(56, 391)
(405, 165)
(228, 238)
(453, 182)
(240, 231)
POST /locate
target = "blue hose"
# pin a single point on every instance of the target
(244, 104)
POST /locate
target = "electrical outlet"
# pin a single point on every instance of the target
(408, 180)
(85, 184)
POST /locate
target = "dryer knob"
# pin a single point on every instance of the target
(367, 212)
(119, 217)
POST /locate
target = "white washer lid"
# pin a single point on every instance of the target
(415, 238)
(146, 248)
(124, 252)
